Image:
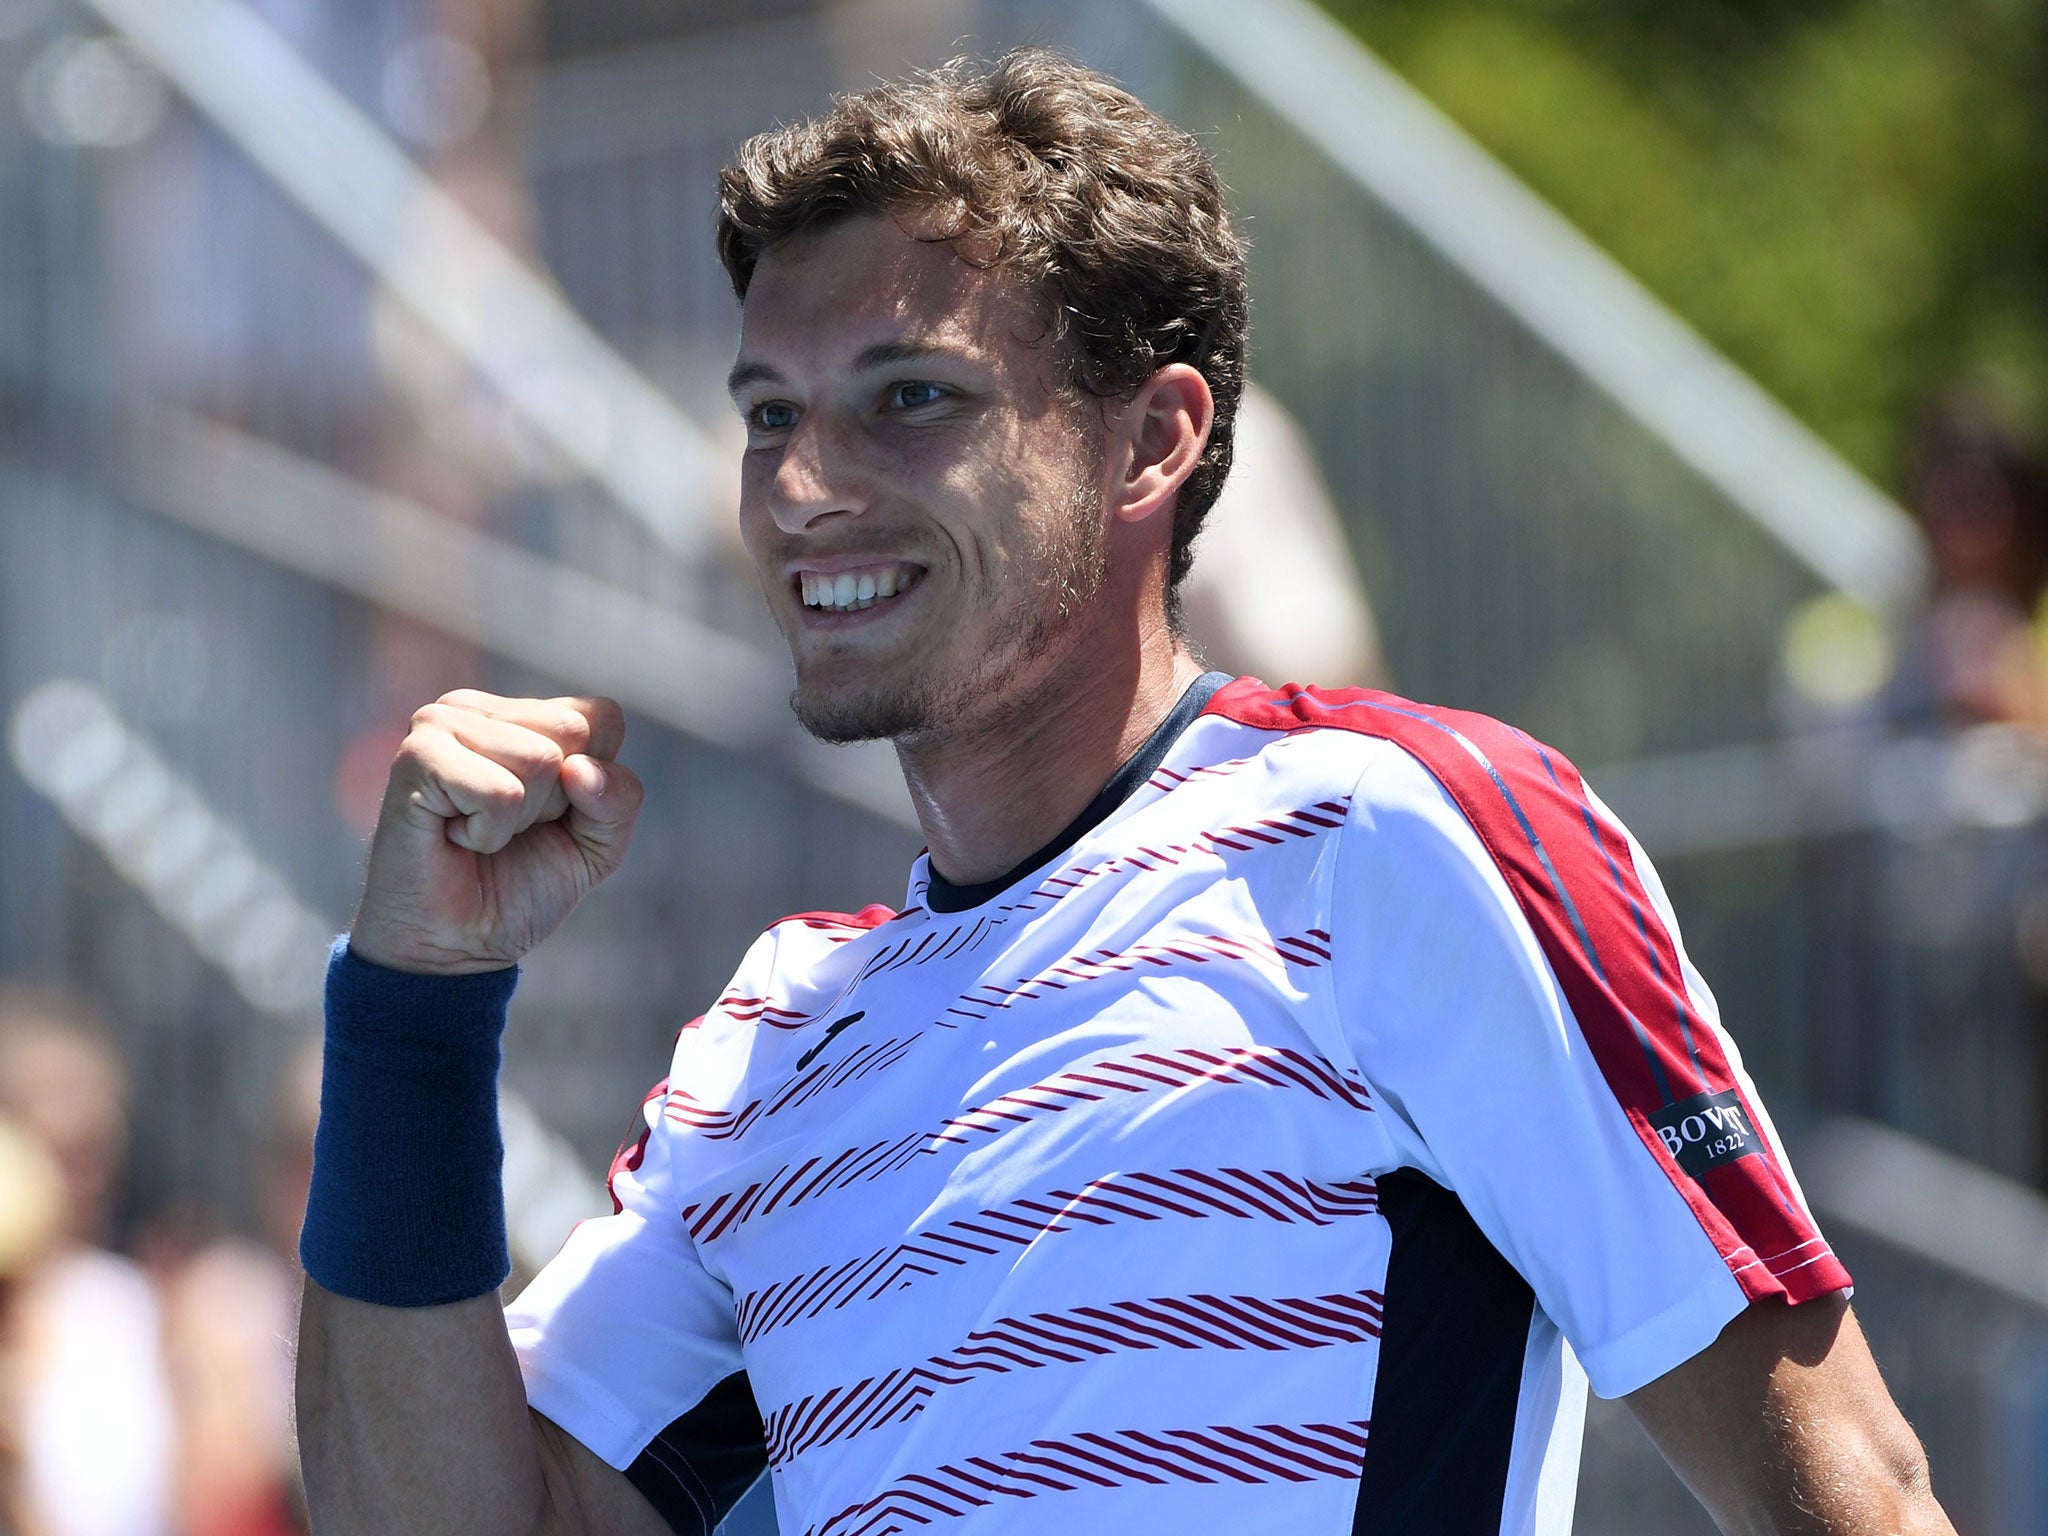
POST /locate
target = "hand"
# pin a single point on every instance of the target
(500, 816)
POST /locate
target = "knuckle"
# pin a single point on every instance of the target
(529, 756)
(596, 717)
(412, 751)
(503, 799)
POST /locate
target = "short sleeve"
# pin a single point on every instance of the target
(629, 1344)
(1509, 974)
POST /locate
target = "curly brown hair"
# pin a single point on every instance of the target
(1043, 167)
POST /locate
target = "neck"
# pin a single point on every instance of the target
(988, 797)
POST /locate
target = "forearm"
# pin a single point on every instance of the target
(1837, 1482)
(412, 1415)
(500, 814)
(414, 1419)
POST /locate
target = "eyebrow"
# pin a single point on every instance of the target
(882, 354)
(744, 374)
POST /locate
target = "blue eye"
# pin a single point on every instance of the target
(914, 393)
(773, 416)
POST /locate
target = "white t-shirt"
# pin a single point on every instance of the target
(1282, 1152)
(94, 1413)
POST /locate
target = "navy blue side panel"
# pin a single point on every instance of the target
(694, 1471)
(1450, 1373)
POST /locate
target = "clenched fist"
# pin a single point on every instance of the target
(500, 816)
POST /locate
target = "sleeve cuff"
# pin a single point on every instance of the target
(583, 1408)
(1638, 1357)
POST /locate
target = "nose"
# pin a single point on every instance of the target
(815, 477)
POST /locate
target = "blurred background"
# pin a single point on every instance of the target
(1667, 376)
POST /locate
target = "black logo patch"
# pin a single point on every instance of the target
(830, 1030)
(1709, 1130)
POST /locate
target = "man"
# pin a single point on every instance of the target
(87, 1406)
(1269, 1107)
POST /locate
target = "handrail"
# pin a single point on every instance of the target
(507, 321)
(1940, 1208)
(1431, 176)
(313, 519)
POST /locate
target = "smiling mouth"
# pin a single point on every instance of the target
(866, 586)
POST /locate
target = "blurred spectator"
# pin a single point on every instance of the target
(1982, 499)
(89, 1418)
(1934, 743)
(31, 1203)
(1276, 592)
(229, 1310)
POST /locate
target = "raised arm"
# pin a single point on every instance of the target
(1783, 1427)
(500, 816)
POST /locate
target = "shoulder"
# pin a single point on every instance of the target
(1429, 732)
(791, 970)
(1500, 779)
(1469, 796)
(835, 927)
(807, 937)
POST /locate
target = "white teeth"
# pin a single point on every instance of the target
(847, 592)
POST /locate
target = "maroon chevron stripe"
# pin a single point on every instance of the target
(632, 1150)
(749, 1010)
(1264, 1066)
(1262, 1453)
(1300, 950)
(1065, 1338)
(1573, 874)
(724, 1124)
(933, 944)
(1173, 778)
(1307, 821)
(1189, 1193)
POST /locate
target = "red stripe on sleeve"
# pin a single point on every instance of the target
(1572, 873)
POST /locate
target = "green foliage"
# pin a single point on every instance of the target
(1849, 197)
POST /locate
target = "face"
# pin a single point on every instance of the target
(70, 1095)
(921, 499)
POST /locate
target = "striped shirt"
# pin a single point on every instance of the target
(1284, 1150)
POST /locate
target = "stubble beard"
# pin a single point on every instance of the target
(947, 691)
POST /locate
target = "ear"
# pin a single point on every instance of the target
(1159, 439)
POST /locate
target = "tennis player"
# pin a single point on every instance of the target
(1269, 1110)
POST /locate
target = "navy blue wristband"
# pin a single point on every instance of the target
(407, 1205)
